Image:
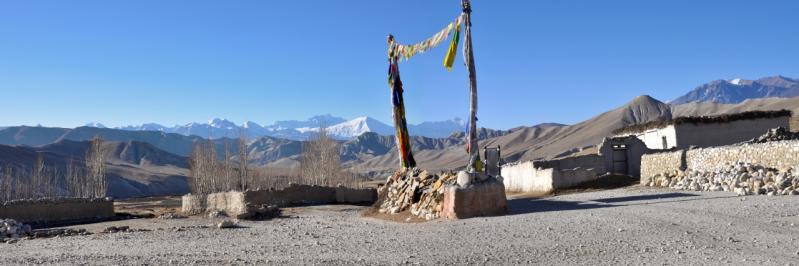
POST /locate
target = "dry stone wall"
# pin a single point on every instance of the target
(662, 162)
(780, 155)
(770, 168)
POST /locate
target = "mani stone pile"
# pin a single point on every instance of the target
(742, 178)
(419, 191)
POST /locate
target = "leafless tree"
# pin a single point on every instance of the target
(244, 161)
(320, 161)
(96, 166)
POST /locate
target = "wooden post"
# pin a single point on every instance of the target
(468, 56)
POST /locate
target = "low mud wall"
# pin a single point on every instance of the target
(243, 204)
(661, 162)
(49, 211)
(527, 177)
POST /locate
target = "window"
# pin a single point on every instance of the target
(665, 143)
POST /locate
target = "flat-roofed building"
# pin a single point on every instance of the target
(706, 131)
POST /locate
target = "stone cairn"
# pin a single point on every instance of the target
(419, 191)
(775, 134)
(740, 177)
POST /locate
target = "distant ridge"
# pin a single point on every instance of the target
(338, 128)
(739, 90)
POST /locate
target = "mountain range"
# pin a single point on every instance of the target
(154, 160)
(336, 127)
(738, 90)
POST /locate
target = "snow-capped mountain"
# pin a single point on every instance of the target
(94, 124)
(738, 90)
(353, 128)
(337, 127)
(146, 127)
(316, 121)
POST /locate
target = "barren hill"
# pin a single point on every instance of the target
(135, 169)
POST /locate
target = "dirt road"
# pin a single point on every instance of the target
(628, 226)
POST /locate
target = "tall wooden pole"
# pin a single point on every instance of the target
(468, 57)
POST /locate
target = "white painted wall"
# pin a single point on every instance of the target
(524, 177)
(653, 138)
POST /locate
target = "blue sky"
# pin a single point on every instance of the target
(65, 63)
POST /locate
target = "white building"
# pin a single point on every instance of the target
(706, 131)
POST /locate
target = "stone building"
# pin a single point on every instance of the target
(622, 155)
(706, 131)
(619, 156)
(795, 123)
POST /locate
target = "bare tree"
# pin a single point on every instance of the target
(320, 161)
(96, 167)
(244, 161)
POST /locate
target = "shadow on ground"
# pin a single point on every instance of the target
(524, 206)
(645, 197)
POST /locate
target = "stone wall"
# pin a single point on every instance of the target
(54, 211)
(795, 122)
(657, 163)
(780, 155)
(245, 204)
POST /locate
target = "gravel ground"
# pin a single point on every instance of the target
(628, 226)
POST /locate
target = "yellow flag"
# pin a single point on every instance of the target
(453, 48)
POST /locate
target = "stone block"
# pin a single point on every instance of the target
(480, 199)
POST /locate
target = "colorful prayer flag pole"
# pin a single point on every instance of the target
(398, 104)
(475, 164)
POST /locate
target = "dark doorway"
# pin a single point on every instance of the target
(620, 159)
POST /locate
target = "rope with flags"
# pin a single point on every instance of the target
(398, 52)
